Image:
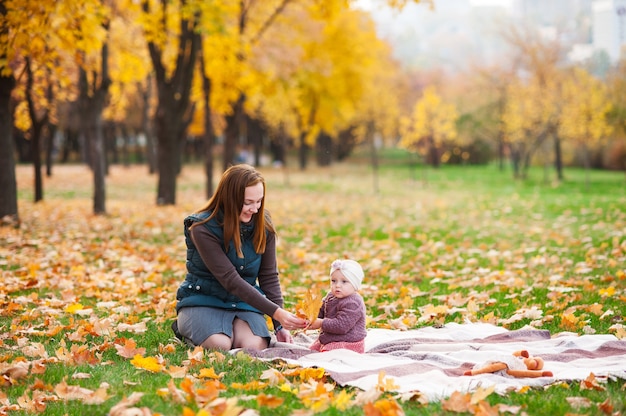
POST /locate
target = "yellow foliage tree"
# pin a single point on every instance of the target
(47, 41)
(584, 117)
(530, 116)
(432, 121)
(324, 74)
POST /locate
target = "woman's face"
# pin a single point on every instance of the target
(252, 199)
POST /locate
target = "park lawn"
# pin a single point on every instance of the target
(87, 301)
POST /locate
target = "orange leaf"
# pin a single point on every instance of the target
(309, 307)
(591, 383)
(208, 392)
(383, 407)
(457, 402)
(129, 349)
(269, 401)
(209, 373)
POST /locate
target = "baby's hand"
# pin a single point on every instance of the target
(316, 324)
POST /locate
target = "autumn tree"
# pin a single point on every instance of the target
(377, 107)
(171, 30)
(8, 185)
(130, 99)
(28, 58)
(616, 87)
(584, 117)
(40, 36)
(537, 61)
(432, 121)
(37, 34)
(321, 74)
(481, 108)
(326, 40)
(529, 118)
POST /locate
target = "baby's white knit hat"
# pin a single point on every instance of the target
(351, 270)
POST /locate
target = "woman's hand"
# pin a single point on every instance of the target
(288, 320)
(284, 336)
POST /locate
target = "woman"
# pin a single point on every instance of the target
(232, 276)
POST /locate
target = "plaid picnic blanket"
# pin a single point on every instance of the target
(432, 361)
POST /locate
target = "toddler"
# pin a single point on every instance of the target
(341, 318)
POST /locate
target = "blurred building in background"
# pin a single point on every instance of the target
(609, 27)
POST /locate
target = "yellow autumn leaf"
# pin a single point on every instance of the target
(608, 292)
(73, 308)
(306, 373)
(309, 307)
(482, 393)
(251, 385)
(288, 388)
(386, 383)
(569, 322)
(151, 364)
(342, 400)
(210, 373)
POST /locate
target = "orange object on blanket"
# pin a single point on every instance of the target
(534, 366)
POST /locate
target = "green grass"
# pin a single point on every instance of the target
(471, 231)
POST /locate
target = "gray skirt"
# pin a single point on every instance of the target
(197, 323)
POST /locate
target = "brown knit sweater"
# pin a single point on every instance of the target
(344, 319)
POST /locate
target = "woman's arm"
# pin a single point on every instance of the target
(211, 251)
(268, 272)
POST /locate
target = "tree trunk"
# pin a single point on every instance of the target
(233, 132)
(208, 139)
(91, 125)
(94, 135)
(8, 183)
(303, 152)
(146, 127)
(374, 145)
(558, 158)
(92, 99)
(37, 128)
(278, 147)
(324, 149)
(515, 160)
(168, 154)
(36, 139)
(174, 111)
(500, 152)
(587, 164)
(433, 153)
(52, 131)
(255, 132)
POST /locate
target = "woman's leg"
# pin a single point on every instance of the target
(218, 341)
(243, 337)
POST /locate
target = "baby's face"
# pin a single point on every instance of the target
(340, 286)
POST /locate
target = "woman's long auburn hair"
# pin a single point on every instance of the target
(228, 200)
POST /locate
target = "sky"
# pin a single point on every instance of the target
(504, 3)
(453, 35)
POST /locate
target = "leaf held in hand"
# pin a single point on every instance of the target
(309, 307)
